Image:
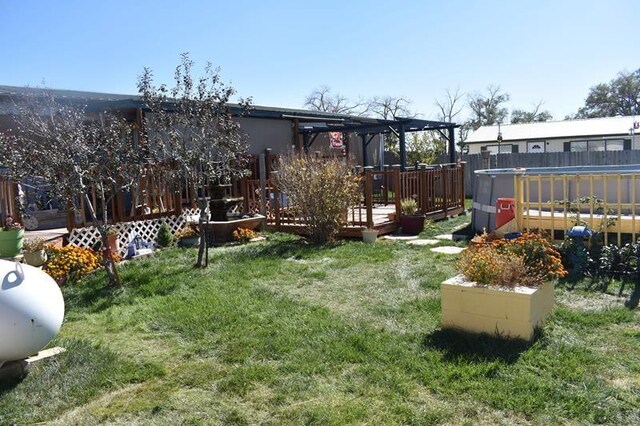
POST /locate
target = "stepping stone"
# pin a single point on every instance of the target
(444, 237)
(423, 242)
(447, 250)
(400, 237)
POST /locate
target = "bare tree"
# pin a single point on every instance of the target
(322, 99)
(389, 107)
(450, 106)
(448, 109)
(191, 130)
(74, 151)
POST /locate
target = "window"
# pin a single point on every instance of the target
(598, 145)
(578, 146)
(615, 145)
(536, 146)
(504, 149)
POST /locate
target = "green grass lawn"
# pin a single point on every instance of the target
(281, 332)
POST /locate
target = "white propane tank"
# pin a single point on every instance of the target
(31, 310)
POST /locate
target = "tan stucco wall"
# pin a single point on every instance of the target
(278, 134)
(267, 133)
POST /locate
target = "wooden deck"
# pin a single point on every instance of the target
(57, 236)
(438, 191)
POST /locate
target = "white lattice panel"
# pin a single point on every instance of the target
(89, 236)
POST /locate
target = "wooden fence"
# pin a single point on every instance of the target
(549, 159)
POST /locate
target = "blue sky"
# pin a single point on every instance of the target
(278, 51)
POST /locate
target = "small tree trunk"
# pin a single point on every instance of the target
(107, 259)
(203, 236)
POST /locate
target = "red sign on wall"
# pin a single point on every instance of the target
(335, 140)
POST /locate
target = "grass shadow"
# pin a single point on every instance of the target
(94, 296)
(284, 248)
(460, 345)
(10, 383)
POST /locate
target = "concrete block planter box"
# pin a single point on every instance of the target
(507, 312)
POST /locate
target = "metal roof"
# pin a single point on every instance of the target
(117, 101)
(367, 125)
(608, 126)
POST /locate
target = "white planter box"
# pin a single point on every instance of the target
(495, 310)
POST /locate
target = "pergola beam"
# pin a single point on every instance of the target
(365, 144)
(398, 127)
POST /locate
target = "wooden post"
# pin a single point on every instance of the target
(368, 194)
(422, 185)
(268, 161)
(452, 144)
(485, 155)
(71, 218)
(518, 192)
(385, 182)
(276, 203)
(443, 182)
(14, 203)
(178, 202)
(397, 191)
(244, 185)
(403, 147)
(345, 141)
(120, 203)
(263, 186)
(461, 185)
(365, 154)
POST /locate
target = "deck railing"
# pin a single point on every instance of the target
(439, 192)
(605, 203)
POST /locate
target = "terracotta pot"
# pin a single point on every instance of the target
(412, 225)
(112, 243)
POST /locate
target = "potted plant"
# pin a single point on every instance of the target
(187, 237)
(410, 220)
(369, 235)
(506, 287)
(112, 240)
(11, 238)
(34, 252)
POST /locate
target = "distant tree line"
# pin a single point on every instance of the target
(618, 97)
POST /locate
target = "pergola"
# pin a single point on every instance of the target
(368, 128)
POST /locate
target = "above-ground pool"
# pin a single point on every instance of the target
(593, 194)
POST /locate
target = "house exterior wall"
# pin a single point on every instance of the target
(266, 133)
(278, 135)
(550, 145)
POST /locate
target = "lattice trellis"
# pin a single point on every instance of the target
(89, 236)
